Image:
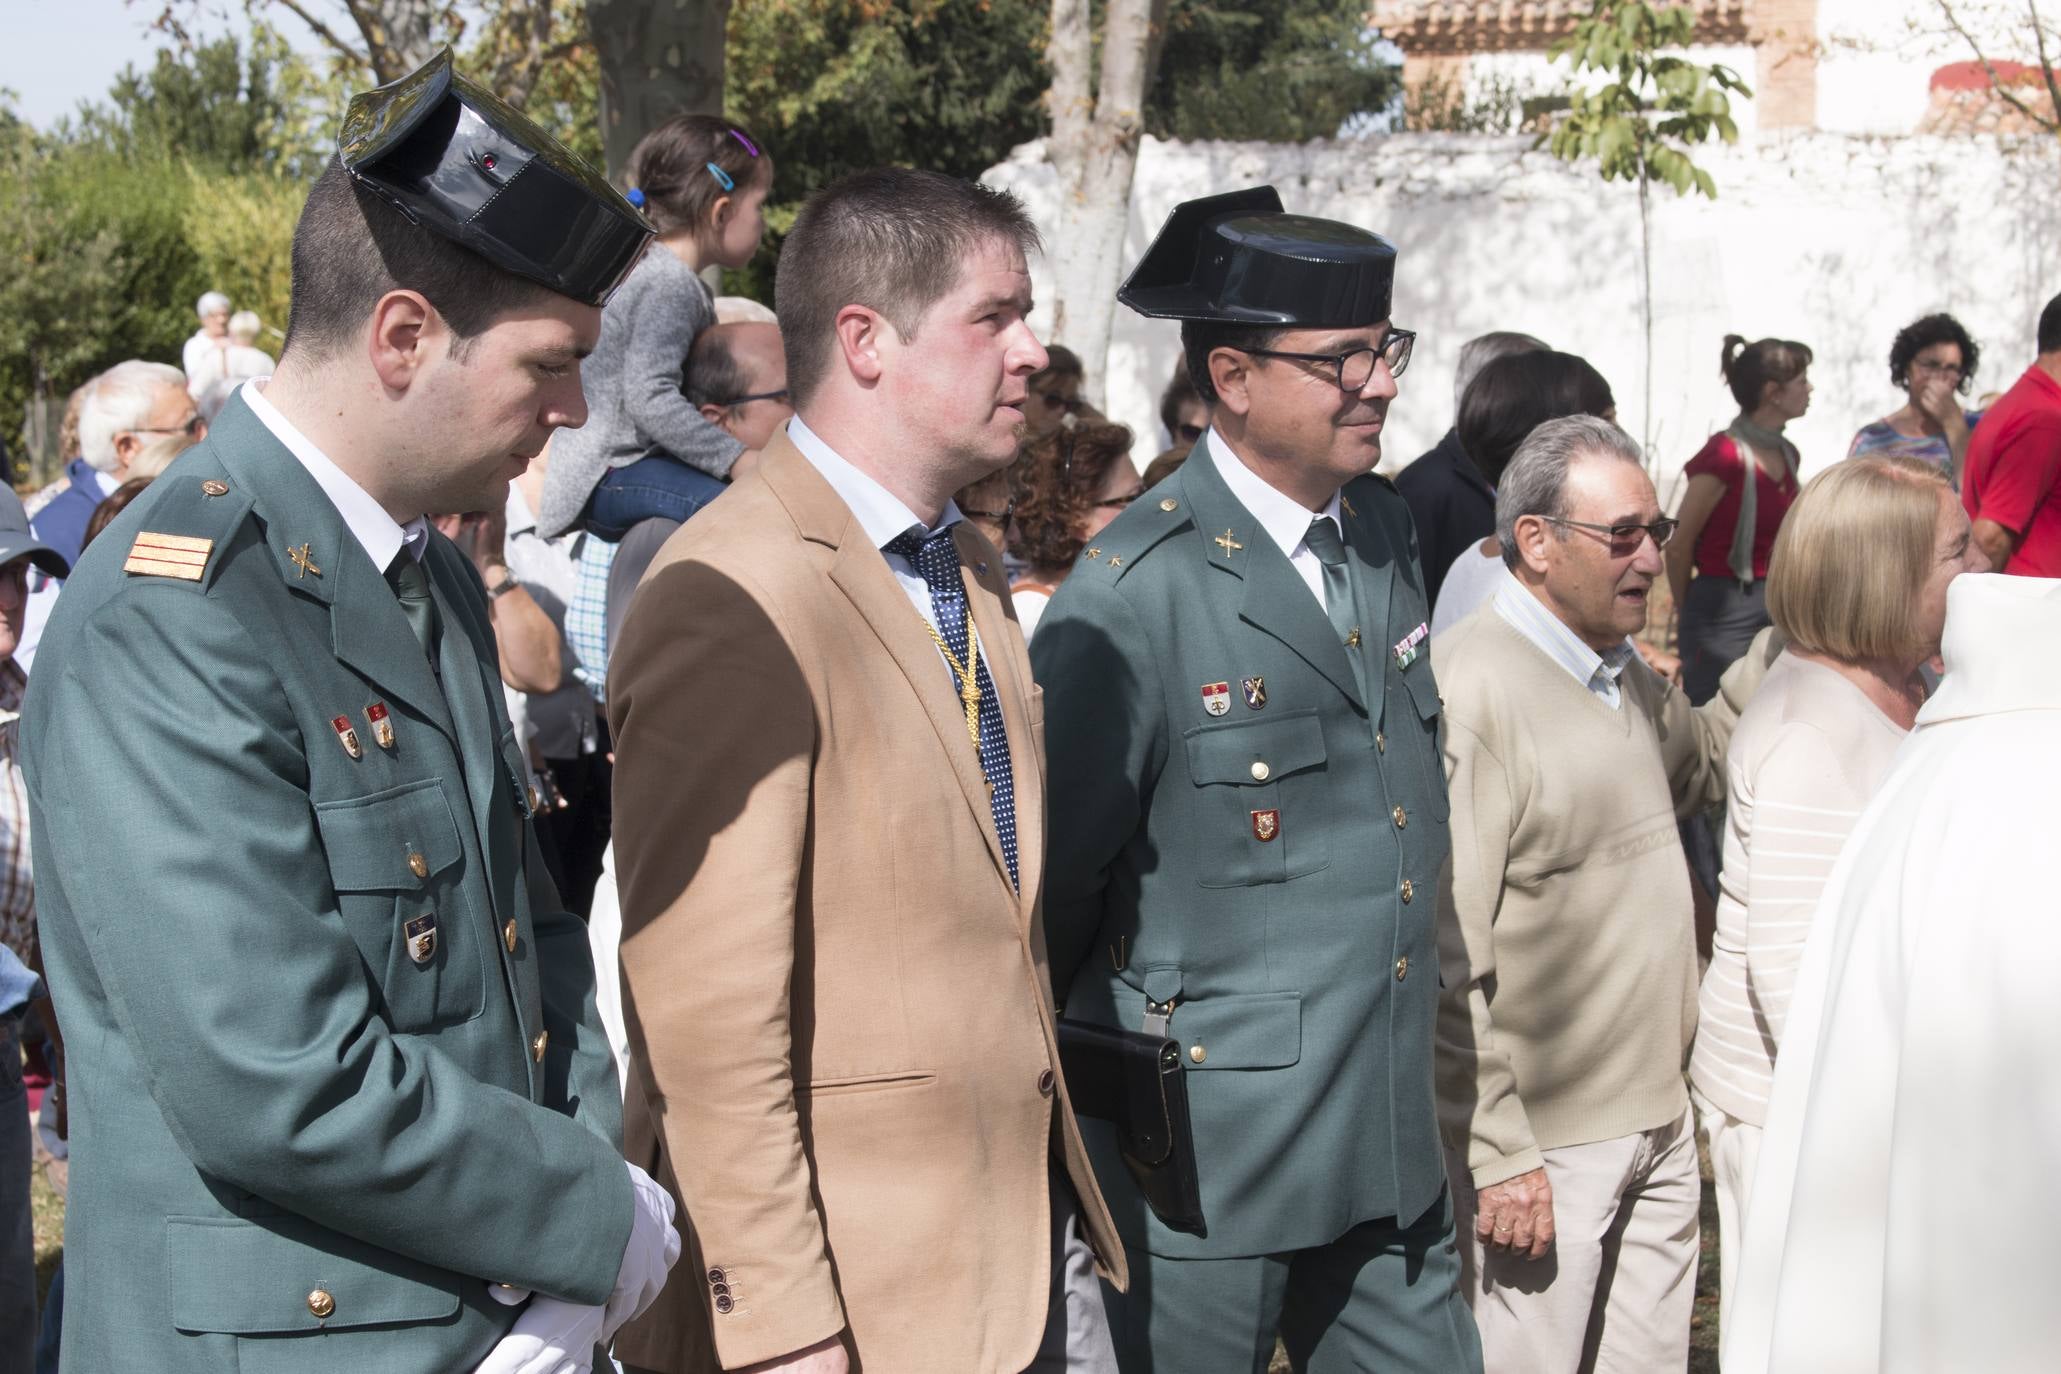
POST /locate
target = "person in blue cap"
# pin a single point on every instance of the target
(1248, 820)
(339, 1099)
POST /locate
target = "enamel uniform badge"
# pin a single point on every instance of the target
(346, 736)
(1266, 824)
(1216, 697)
(1406, 648)
(382, 723)
(1256, 692)
(421, 934)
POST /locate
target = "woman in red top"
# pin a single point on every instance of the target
(1740, 486)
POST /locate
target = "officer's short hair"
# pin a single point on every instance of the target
(1535, 483)
(1200, 338)
(350, 248)
(890, 239)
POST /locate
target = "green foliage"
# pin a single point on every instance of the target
(1284, 71)
(1637, 124)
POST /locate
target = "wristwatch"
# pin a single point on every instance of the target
(506, 585)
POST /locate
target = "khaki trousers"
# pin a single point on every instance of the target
(1734, 1155)
(1614, 1293)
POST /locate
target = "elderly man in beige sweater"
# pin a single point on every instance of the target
(1566, 945)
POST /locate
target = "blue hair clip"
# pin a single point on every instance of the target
(722, 176)
(635, 196)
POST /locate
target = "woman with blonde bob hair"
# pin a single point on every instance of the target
(1857, 583)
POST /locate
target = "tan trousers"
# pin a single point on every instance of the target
(1614, 1293)
(1734, 1155)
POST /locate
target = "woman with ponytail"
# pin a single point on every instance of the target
(1741, 484)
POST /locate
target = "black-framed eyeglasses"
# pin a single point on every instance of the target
(1355, 367)
(1626, 535)
(194, 428)
(781, 395)
(998, 516)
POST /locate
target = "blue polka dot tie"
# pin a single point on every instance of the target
(936, 560)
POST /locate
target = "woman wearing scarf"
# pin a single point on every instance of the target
(1740, 486)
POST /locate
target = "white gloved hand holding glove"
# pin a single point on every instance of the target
(550, 1337)
(653, 1249)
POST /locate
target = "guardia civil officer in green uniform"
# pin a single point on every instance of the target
(339, 1098)
(1248, 817)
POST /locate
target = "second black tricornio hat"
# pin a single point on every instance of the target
(1239, 258)
(458, 160)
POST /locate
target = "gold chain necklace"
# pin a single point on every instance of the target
(967, 673)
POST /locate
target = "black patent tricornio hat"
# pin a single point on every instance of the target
(1240, 259)
(457, 159)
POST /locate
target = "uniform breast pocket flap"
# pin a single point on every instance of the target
(393, 860)
(1260, 787)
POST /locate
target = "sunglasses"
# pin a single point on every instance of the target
(1624, 538)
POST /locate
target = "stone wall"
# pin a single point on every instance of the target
(1834, 240)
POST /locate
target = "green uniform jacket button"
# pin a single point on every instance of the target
(320, 1304)
(1260, 771)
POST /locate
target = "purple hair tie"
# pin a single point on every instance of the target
(748, 145)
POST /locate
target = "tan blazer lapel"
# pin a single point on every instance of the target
(861, 573)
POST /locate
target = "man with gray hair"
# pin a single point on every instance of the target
(202, 354)
(1452, 503)
(1565, 931)
(136, 418)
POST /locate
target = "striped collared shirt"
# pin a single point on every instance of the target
(1597, 672)
(17, 878)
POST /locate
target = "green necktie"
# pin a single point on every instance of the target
(1338, 592)
(411, 587)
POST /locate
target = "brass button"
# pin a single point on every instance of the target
(508, 931)
(418, 865)
(1197, 1053)
(1409, 891)
(1045, 1082)
(1381, 741)
(213, 488)
(1170, 504)
(1260, 771)
(537, 1045)
(1402, 968)
(320, 1304)
(1402, 818)
(535, 798)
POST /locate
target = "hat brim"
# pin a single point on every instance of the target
(38, 553)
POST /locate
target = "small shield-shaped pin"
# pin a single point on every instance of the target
(382, 723)
(1266, 824)
(421, 934)
(347, 736)
(1256, 692)
(1216, 697)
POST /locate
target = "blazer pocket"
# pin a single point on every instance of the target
(270, 1278)
(394, 861)
(867, 1083)
(1260, 786)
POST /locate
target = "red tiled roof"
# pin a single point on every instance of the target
(1429, 27)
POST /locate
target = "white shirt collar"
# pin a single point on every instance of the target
(1285, 519)
(879, 511)
(367, 520)
(107, 482)
(1529, 615)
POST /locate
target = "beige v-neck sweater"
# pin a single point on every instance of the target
(1566, 936)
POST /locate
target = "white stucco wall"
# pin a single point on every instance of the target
(1876, 57)
(1836, 241)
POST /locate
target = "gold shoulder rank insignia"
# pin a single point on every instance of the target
(169, 555)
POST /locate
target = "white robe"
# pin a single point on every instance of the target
(1908, 1201)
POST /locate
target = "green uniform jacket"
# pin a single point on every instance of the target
(1272, 870)
(270, 1095)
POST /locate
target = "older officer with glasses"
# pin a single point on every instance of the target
(1249, 816)
(1566, 942)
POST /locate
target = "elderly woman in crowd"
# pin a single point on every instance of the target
(1741, 483)
(1068, 486)
(1509, 398)
(205, 350)
(1933, 361)
(1858, 584)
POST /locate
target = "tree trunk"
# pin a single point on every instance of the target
(400, 35)
(658, 58)
(1646, 307)
(1094, 147)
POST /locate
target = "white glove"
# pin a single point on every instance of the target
(653, 1248)
(551, 1337)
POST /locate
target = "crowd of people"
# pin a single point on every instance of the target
(569, 821)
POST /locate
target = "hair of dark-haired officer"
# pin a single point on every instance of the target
(1057, 479)
(1515, 394)
(1200, 338)
(894, 240)
(670, 165)
(350, 248)
(2050, 327)
(713, 377)
(1748, 368)
(1919, 335)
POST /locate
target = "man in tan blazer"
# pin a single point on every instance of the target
(830, 825)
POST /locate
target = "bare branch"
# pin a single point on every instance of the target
(327, 34)
(2039, 38)
(1996, 83)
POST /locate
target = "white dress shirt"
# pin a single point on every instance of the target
(879, 511)
(1285, 519)
(1597, 672)
(381, 535)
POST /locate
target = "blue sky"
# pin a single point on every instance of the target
(59, 52)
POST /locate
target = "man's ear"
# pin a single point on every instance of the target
(403, 332)
(859, 336)
(1532, 534)
(1229, 372)
(716, 415)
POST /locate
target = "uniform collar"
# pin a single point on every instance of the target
(379, 533)
(1285, 519)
